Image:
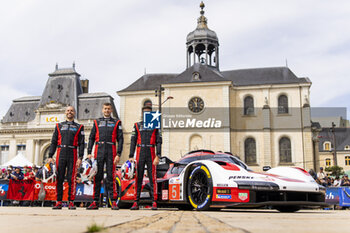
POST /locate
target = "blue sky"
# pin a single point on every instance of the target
(113, 42)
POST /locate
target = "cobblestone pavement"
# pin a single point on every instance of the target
(41, 219)
(272, 221)
(176, 222)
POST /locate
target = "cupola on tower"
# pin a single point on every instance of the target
(202, 44)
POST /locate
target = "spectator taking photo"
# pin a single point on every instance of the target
(322, 177)
(345, 181)
(17, 174)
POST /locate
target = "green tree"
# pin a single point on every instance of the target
(335, 171)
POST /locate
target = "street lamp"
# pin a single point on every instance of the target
(158, 93)
(168, 98)
(334, 145)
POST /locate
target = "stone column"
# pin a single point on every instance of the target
(217, 57)
(37, 152)
(306, 114)
(206, 54)
(122, 108)
(307, 136)
(194, 54)
(187, 56)
(316, 155)
(226, 119)
(12, 149)
(268, 159)
(30, 150)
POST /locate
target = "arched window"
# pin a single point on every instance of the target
(347, 160)
(327, 146)
(250, 151)
(282, 104)
(328, 162)
(200, 52)
(285, 150)
(196, 142)
(248, 105)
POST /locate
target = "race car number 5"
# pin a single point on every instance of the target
(175, 191)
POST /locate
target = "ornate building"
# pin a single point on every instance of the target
(341, 137)
(29, 123)
(263, 114)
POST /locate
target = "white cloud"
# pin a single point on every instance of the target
(7, 94)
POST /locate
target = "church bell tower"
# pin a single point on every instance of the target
(202, 44)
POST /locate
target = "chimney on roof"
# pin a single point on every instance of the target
(85, 85)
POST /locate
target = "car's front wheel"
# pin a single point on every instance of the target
(200, 188)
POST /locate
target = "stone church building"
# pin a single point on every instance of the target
(264, 112)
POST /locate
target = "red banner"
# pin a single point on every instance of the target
(50, 191)
(21, 190)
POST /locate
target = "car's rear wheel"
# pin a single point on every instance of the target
(121, 204)
(288, 209)
(200, 188)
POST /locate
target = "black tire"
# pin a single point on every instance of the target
(200, 188)
(121, 204)
(288, 209)
(185, 207)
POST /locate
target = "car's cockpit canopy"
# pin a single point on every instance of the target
(217, 157)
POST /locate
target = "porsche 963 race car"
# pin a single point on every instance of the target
(204, 179)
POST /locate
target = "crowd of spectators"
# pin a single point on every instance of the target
(323, 179)
(33, 173)
(18, 173)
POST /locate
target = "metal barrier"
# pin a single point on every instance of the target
(338, 196)
(84, 192)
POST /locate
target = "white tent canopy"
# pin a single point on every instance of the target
(18, 161)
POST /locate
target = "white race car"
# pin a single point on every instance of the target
(219, 180)
(205, 179)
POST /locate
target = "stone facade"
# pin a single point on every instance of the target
(266, 126)
(29, 123)
(226, 91)
(326, 147)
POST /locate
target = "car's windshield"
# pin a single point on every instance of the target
(180, 164)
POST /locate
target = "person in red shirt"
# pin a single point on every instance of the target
(29, 175)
